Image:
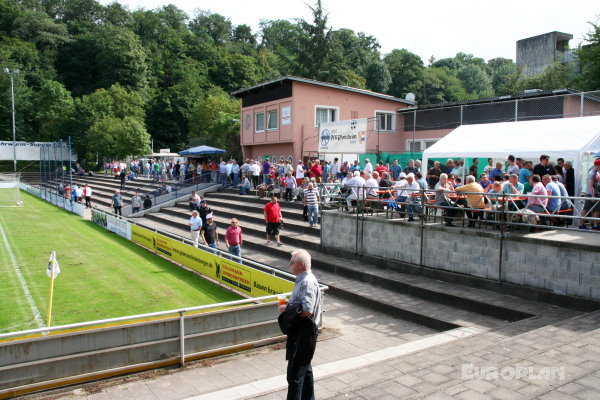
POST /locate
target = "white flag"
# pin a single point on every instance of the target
(52, 261)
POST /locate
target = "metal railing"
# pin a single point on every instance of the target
(496, 210)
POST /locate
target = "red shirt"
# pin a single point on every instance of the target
(233, 235)
(316, 170)
(272, 211)
(381, 169)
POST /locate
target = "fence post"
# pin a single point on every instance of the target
(502, 219)
(423, 222)
(516, 110)
(181, 339)
(581, 104)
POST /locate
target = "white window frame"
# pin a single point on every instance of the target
(422, 143)
(329, 108)
(392, 129)
(269, 113)
(256, 119)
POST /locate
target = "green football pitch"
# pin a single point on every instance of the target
(102, 275)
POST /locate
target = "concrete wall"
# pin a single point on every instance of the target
(46, 361)
(560, 266)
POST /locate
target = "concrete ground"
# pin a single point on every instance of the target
(363, 354)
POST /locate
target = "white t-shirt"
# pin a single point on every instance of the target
(372, 186)
(593, 176)
(299, 172)
(368, 167)
(403, 186)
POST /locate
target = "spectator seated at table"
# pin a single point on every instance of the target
(514, 187)
(442, 188)
(404, 195)
(385, 183)
(356, 189)
(494, 193)
(475, 198)
(565, 203)
(483, 181)
(537, 204)
(552, 188)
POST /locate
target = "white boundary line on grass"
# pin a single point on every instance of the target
(36, 312)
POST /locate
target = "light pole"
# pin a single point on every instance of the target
(12, 97)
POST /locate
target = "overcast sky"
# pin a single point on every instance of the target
(440, 28)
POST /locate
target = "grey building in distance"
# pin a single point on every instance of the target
(536, 53)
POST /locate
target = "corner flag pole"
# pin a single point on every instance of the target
(52, 272)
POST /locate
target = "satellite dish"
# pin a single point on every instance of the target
(410, 97)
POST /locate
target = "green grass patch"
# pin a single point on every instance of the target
(102, 274)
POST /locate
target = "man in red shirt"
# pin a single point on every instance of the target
(316, 171)
(381, 168)
(233, 238)
(272, 219)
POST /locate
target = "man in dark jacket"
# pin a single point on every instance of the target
(303, 315)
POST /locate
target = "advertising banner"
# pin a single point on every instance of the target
(242, 278)
(112, 223)
(30, 151)
(343, 136)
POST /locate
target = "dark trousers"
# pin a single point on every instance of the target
(301, 385)
(118, 210)
(88, 201)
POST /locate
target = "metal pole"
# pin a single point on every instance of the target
(581, 104)
(414, 133)
(181, 338)
(502, 218)
(422, 227)
(70, 157)
(516, 110)
(461, 113)
(62, 170)
(14, 130)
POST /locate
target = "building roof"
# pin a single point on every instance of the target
(549, 93)
(559, 35)
(246, 91)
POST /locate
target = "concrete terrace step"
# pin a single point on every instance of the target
(420, 311)
(467, 312)
(254, 234)
(252, 216)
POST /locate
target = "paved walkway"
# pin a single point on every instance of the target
(364, 355)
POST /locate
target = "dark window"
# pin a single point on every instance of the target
(266, 94)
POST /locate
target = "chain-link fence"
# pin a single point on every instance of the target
(545, 106)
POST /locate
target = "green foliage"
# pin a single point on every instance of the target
(81, 62)
(105, 115)
(55, 107)
(378, 77)
(215, 122)
(406, 70)
(589, 60)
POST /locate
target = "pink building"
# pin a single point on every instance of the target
(280, 118)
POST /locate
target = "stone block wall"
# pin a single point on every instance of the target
(559, 266)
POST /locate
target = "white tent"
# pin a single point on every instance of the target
(569, 138)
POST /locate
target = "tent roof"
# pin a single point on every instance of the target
(201, 150)
(563, 137)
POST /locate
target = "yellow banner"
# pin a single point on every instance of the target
(243, 278)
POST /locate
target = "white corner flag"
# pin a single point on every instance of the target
(52, 264)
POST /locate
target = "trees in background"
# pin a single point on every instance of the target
(113, 78)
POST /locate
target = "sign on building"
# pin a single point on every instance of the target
(343, 137)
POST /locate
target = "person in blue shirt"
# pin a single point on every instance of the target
(496, 171)
(395, 170)
(525, 172)
(553, 190)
